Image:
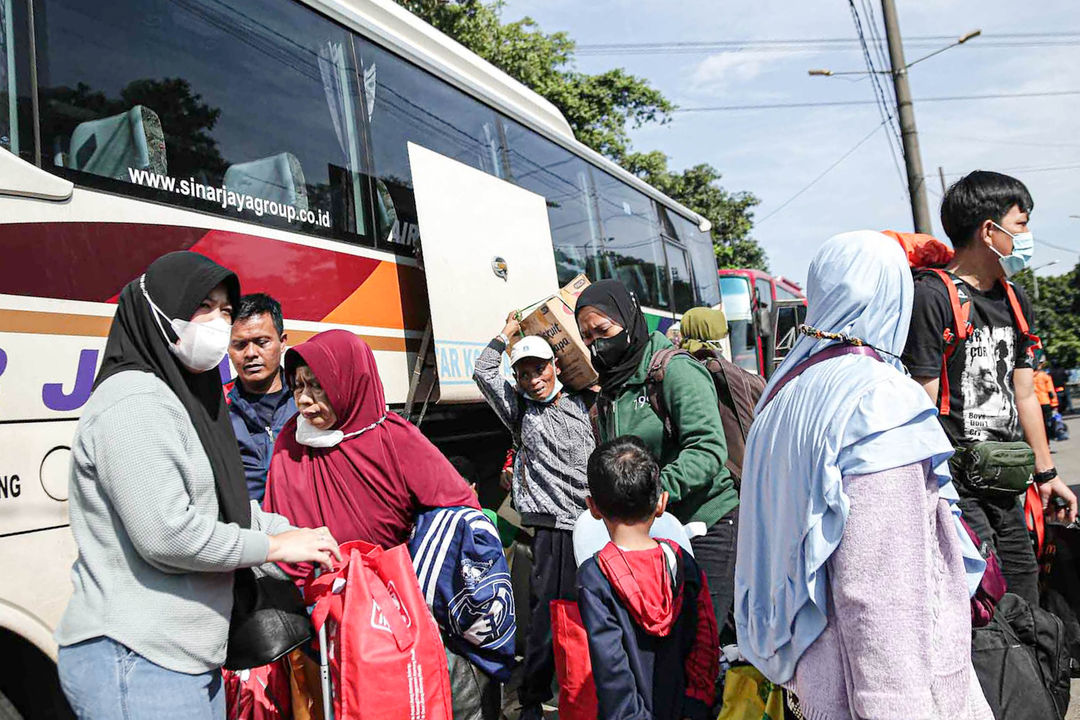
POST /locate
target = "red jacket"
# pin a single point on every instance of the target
(650, 621)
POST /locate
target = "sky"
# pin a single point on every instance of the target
(776, 153)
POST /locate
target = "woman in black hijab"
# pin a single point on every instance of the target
(692, 451)
(159, 506)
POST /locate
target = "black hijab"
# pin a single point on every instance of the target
(178, 283)
(614, 300)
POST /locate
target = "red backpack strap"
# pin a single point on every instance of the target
(953, 336)
(1033, 514)
(1021, 321)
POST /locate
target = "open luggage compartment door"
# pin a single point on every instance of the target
(487, 250)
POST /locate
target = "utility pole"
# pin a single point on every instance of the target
(941, 176)
(920, 211)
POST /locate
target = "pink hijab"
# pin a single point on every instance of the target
(370, 486)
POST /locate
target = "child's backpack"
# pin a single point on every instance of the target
(737, 392)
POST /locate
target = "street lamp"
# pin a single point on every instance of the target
(1035, 278)
(825, 72)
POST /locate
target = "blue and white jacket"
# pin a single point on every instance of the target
(463, 574)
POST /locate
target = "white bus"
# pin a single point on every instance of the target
(316, 148)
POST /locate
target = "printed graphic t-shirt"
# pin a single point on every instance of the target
(981, 395)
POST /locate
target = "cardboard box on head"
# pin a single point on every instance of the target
(554, 321)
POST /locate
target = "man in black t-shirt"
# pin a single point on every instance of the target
(991, 373)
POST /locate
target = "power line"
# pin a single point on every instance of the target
(825, 172)
(1002, 141)
(838, 103)
(1028, 169)
(1057, 247)
(1032, 39)
(885, 109)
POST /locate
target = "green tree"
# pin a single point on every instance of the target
(601, 109)
(1056, 318)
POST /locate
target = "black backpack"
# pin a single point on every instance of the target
(737, 392)
(1022, 662)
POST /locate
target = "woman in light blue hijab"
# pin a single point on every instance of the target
(853, 573)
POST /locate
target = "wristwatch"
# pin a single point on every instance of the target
(1045, 476)
(502, 336)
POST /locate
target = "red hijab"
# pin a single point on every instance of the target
(369, 486)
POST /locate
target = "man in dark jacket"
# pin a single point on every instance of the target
(645, 604)
(260, 403)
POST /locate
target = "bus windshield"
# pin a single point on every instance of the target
(735, 291)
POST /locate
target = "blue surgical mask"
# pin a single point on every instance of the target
(556, 388)
(1022, 251)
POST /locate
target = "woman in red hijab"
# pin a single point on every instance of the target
(345, 461)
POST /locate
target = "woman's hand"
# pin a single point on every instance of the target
(304, 545)
(512, 327)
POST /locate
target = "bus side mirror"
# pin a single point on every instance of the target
(765, 322)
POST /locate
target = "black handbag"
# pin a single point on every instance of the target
(268, 620)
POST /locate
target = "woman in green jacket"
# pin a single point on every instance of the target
(693, 454)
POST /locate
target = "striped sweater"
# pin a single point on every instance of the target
(463, 574)
(556, 441)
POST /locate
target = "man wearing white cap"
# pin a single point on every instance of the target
(553, 436)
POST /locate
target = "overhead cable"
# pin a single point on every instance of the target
(825, 172)
(838, 103)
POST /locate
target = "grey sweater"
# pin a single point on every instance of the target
(556, 440)
(154, 570)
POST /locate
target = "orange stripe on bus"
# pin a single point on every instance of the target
(49, 323)
(33, 322)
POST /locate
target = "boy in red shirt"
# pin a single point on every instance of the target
(645, 603)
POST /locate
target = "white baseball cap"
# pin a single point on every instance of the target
(532, 346)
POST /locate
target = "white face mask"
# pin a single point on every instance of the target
(202, 345)
(311, 436)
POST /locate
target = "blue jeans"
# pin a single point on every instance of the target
(103, 679)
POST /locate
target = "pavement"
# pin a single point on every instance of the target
(1067, 458)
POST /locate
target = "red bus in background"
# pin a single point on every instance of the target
(763, 313)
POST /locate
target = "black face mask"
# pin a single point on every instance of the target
(608, 351)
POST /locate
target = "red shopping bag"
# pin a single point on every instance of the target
(577, 690)
(261, 693)
(386, 656)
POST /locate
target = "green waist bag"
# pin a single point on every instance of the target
(999, 470)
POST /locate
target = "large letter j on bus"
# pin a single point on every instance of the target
(53, 395)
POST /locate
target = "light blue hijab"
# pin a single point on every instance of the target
(852, 415)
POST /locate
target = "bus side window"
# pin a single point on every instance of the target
(702, 260)
(247, 109)
(764, 293)
(632, 239)
(564, 180)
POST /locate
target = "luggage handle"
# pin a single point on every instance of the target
(404, 636)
